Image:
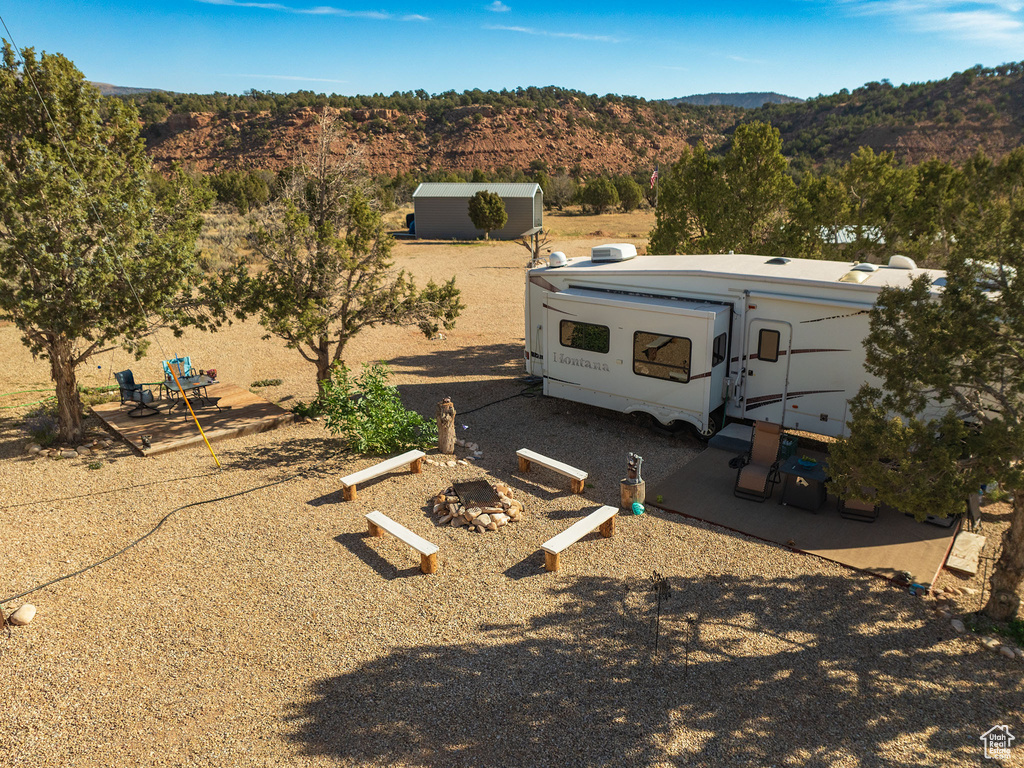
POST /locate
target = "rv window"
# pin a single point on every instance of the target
(585, 336)
(719, 350)
(768, 345)
(661, 356)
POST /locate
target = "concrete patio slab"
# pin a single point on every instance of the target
(702, 489)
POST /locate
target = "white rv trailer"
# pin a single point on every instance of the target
(694, 339)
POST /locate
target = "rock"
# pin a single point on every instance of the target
(471, 446)
(483, 519)
(515, 517)
(492, 526)
(958, 626)
(445, 519)
(463, 462)
(1008, 652)
(67, 453)
(503, 489)
(439, 508)
(478, 454)
(970, 591)
(460, 441)
(457, 522)
(1019, 652)
(83, 451)
(500, 518)
(450, 463)
(480, 529)
(989, 642)
(33, 448)
(945, 614)
(23, 615)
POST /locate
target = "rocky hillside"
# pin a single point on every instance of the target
(461, 139)
(552, 128)
(949, 119)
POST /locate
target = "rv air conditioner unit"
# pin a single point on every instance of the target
(613, 252)
(557, 259)
(902, 262)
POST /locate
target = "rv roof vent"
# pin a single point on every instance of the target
(854, 277)
(777, 260)
(902, 262)
(557, 259)
(613, 252)
(864, 267)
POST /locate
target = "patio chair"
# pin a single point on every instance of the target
(182, 367)
(857, 509)
(759, 468)
(136, 394)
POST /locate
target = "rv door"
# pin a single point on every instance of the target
(767, 370)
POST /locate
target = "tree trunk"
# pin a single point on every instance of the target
(69, 404)
(1004, 597)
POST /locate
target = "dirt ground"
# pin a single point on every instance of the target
(257, 625)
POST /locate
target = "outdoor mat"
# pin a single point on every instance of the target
(894, 542)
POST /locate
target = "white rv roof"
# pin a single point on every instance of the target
(760, 268)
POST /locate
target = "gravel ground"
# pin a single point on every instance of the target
(259, 626)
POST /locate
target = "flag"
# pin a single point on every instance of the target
(654, 178)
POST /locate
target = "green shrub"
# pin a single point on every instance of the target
(367, 412)
(267, 383)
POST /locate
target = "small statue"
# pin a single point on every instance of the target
(445, 415)
(633, 468)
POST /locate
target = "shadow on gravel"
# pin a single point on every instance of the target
(804, 671)
(305, 454)
(356, 544)
(465, 361)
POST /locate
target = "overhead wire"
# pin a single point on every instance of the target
(99, 221)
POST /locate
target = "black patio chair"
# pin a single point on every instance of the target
(136, 394)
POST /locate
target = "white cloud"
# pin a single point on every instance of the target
(547, 33)
(498, 7)
(320, 10)
(990, 22)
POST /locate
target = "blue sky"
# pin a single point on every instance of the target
(655, 49)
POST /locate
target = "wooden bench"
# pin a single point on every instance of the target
(379, 522)
(576, 476)
(413, 458)
(603, 518)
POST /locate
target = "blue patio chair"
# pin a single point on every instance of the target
(136, 394)
(182, 367)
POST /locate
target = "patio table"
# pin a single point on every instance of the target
(803, 487)
(195, 390)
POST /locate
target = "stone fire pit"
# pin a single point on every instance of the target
(477, 504)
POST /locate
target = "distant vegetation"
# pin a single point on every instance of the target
(831, 128)
(744, 100)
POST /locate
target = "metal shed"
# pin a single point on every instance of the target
(442, 210)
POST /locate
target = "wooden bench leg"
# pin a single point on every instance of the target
(524, 464)
(577, 485)
(417, 467)
(550, 561)
(428, 563)
(608, 528)
(349, 493)
(376, 530)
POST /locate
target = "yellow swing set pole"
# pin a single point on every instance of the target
(195, 418)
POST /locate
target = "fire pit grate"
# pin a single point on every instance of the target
(476, 493)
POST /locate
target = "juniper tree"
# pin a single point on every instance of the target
(961, 346)
(88, 255)
(487, 212)
(320, 270)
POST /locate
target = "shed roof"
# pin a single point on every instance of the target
(466, 189)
